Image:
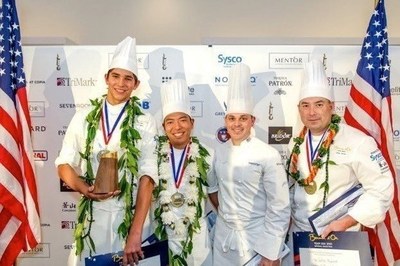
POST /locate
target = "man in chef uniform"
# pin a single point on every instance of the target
(354, 158)
(248, 186)
(180, 197)
(115, 220)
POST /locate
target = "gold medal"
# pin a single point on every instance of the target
(100, 154)
(177, 199)
(311, 188)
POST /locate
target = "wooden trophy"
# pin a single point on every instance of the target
(107, 174)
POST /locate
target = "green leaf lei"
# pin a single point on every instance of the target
(324, 149)
(199, 179)
(127, 165)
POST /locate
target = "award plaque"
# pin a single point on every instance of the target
(107, 174)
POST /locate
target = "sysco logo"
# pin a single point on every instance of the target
(229, 59)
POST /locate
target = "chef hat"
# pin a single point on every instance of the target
(174, 97)
(315, 82)
(125, 56)
(240, 96)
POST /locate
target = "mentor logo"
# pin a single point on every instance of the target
(279, 135)
(42, 250)
(37, 109)
(288, 60)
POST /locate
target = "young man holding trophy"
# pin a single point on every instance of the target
(108, 156)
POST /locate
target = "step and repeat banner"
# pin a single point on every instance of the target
(62, 79)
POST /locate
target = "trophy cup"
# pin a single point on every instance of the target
(107, 174)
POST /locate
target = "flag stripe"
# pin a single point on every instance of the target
(369, 109)
(19, 209)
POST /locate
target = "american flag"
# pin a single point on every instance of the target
(19, 211)
(369, 109)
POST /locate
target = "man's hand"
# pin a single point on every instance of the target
(133, 249)
(99, 197)
(267, 262)
(339, 225)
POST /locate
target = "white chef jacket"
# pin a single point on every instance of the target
(358, 160)
(108, 214)
(253, 195)
(202, 249)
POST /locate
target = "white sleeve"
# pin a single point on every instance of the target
(73, 142)
(147, 164)
(373, 173)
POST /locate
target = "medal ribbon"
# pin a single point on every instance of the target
(105, 127)
(178, 173)
(311, 152)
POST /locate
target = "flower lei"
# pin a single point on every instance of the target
(127, 165)
(324, 149)
(196, 173)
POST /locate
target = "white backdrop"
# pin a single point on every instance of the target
(61, 79)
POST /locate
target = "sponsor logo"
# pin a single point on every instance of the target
(37, 109)
(61, 132)
(145, 104)
(219, 113)
(40, 155)
(68, 206)
(339, 81)
(164, 62)
(395, 91)
(165, 79)
(68, 247)
(191, 90)
(279, 135)
(76, 82)
(73, 105)
(228, 60)
(223, 80)
(377, 156)
(280, 82)
(58, 66)
(196, 108)
(287, 60)
(37, 82)
(38, 128)
(270, 111)
(340, 106)
(42, 250)
(222, 135)
(68, 224)
(396, 135)
(397, 157)
(284, 157)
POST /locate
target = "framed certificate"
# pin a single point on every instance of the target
(339, 248)
(156, 254)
